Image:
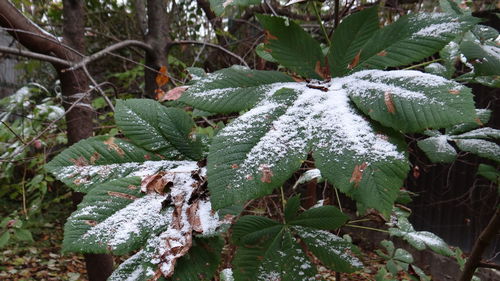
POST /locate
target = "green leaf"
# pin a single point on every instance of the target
(482, 148)
(485, 58)
(23, 234)
(485, 33)
(292, 207)
(233, 89)
(348, 39)
(292, 47)
(201, 262)
(412, 38)
(324, 217)
(403, 256)
(333, 251)
(482, 117)
(410, 101)
(138, 119)
(261, 51)
(489, 172)
(450, 7)
(219, 6)
(100, 159)
(4, 239)
(437, 149)
(280, 258)
(156, 127)
(251, 229)
(176, 125)
(420, 239)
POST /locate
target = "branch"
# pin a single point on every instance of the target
(183, 42)
(480, 246)
(109, 49)
(489, 265)
(12, 18)
(33, 55)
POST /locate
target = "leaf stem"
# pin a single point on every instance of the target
(338, 198)
(283, 201)
(360, 220)
(318, 16)
(367, 227)
(421, 64)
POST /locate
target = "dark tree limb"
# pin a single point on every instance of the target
(484, 240)
(489, 265)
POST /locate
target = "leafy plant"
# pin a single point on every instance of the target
(398, 260)
(147, 195)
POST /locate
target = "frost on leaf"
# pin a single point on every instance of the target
(262, 148)
(419, 239)
(161, 217)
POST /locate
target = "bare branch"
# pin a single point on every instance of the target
(109, 49)
(33, 55)
(183, 42)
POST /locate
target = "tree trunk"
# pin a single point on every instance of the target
(158, 38)
(80, 122)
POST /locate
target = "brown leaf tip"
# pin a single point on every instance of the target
(357, 174)
(389, 103)
(267, 174)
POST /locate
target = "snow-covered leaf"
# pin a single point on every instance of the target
(483, 148)
(100, 159)
(412, 38)
(484, 57)
(118, 217)
(482, 117)
(232, 89)
(437, 149)
(420, 239)
(263, 147)
(333, 251)
(410, 101)
(482, 133)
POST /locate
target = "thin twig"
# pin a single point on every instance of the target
(183, 42)
(33, 55)
(12, 131)
(108, 50)
(96, 86)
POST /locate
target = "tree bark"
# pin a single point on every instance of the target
(158, 38)
(80, 123)
(480, 246)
